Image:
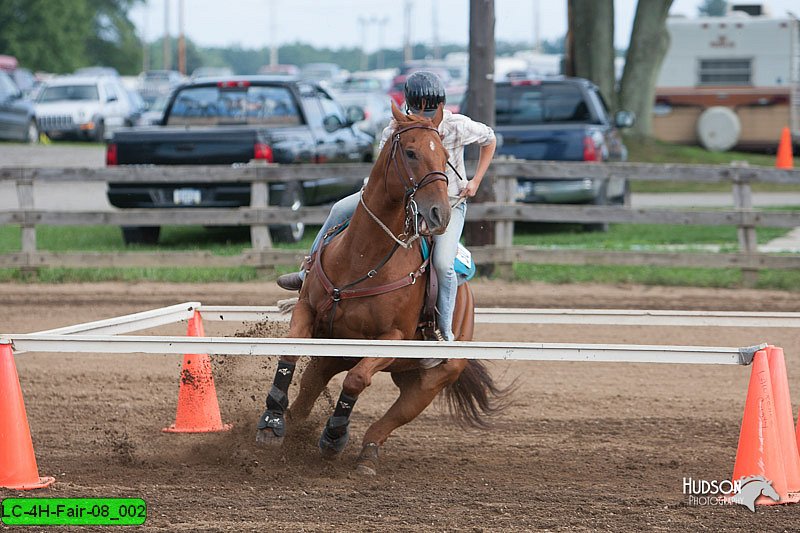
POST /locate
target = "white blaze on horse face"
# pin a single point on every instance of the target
(433, 147)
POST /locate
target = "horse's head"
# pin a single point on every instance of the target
(415, 168)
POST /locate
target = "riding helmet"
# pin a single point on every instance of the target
(424, 91)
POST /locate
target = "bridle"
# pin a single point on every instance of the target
(411, 186)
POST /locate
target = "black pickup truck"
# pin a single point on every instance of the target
(237, 120)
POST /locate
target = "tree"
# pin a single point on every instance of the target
(52, 36)
(648, 46)
(113, 40)
(591, 22)
(45, 35)
(592, 43)
(713, 8)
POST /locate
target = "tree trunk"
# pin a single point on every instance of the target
(648, 46)
(480, 102)
(591, 53)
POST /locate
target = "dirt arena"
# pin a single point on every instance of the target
(585, 446)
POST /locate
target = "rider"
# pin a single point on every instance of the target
(424, 92)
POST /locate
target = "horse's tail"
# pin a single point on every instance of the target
(475, 397)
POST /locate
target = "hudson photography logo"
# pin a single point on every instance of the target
(744, 491)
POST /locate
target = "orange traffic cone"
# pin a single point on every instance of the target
(18, 468)
(198, 409)
(785, 420)
(759, 451)
(784, 159)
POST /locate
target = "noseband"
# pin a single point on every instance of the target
(411, 185)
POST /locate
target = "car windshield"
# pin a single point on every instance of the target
(215, 106)
(69, 92)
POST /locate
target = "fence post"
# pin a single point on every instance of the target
(743, 200)
(28, 233)
(260, 239)
(505, 191)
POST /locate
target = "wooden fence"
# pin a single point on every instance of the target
(259, 215)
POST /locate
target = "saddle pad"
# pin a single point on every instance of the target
(463, 264)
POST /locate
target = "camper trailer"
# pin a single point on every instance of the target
(731, 81)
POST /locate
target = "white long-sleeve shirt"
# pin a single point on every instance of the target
(457, 131)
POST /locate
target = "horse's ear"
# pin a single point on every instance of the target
(437, 118)
(397, 114)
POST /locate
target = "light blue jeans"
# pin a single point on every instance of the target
(444, 256)
(340, 211)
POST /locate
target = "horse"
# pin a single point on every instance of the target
(368, 282)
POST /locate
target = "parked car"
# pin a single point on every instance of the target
(561, 119)
(22, 77)
(154, 84)
(153, 114)
(17, 116)
(368, 94)
(82, 107)
(237, 120)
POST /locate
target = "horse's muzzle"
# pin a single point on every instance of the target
(437, 220)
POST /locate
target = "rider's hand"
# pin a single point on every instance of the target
(470, 190)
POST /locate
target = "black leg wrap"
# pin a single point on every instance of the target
(277, 400)
(336, 434)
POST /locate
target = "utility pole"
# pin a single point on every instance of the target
(273, 37)
(145, 37)
(480, 103)
(537, 29)
(181, 40)
(362, 26)
(167, 45)
(408, 53)
(437, 53)
(382, 22)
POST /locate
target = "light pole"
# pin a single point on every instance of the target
(382, 22)
(362, 25)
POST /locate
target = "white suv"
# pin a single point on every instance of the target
(82, 107)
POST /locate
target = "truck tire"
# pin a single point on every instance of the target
(141, 234)
(293, 198)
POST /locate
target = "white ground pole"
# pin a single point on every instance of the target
(101, 337)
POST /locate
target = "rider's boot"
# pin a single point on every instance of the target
(290, 282)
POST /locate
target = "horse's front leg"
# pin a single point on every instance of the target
(272, 425)
(336, 434)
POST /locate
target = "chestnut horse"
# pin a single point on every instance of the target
(369, 283)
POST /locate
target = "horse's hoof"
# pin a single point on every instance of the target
(367, 463)
(330, 447)
(266, 437)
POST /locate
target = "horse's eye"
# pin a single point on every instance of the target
(411, 154)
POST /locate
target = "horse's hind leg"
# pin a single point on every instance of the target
(315, 377)
(417, 391)
(272, 424)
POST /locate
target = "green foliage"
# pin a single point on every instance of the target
(64, 35)
(45, 35)
(712, 8)
(113, 40)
